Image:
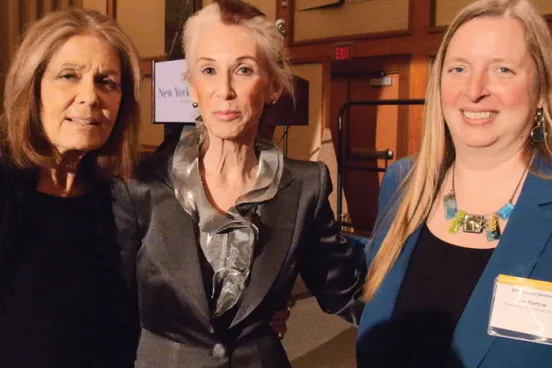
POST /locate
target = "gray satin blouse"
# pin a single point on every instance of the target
(227, 240)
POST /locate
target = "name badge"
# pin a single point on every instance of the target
(522, 309)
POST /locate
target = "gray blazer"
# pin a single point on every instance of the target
(162, 262)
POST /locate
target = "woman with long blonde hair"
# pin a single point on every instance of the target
(473, 204)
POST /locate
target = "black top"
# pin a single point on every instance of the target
(65, 304)
(437, 286)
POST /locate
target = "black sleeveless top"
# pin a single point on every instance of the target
(66, 303)
(437, 286)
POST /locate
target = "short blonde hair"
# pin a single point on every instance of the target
(237, 12)
(24, 143)
(418, 190)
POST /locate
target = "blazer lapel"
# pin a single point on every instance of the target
(525, 236)
(181, 252)
(273, 245)
(184, 263)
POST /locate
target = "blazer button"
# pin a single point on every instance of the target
(219, 351)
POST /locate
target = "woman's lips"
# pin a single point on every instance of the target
(227, 115)
(83, 121)
(478, 117)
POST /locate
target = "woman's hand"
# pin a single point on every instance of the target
(278, 322)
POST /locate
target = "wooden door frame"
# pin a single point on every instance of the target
(111, 8)
(399, 64)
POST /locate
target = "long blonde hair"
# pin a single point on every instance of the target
(418, 190)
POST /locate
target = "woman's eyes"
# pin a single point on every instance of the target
(503, 69)
(245, 70)
(242, 70)
(208, 70)
(68, 76)
(500, 70)
(109, 83)
(104, 81)
(456, 69)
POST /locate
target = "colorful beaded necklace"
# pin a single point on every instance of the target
(473, 223)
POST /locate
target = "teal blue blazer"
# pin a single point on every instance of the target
(525, 250)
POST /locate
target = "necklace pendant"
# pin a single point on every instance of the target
(505, 211)
(457, 221)
(492, 228)
(473, 224)
(449, 202)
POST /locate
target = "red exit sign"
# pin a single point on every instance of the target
(342, 53)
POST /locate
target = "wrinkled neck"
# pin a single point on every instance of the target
(229, 159)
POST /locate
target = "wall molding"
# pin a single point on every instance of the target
(111, 8)
(146, 65)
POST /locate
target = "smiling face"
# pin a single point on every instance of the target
(488, 85)
(80, 94)
(230, 82)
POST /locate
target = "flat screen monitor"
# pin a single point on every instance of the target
(171, 100)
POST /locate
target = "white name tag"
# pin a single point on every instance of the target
(522, 309)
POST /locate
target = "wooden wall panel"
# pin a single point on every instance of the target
(313, 4)
(545, 6)
(420, 44)
(29, 10)
(266, 6)
(151, 135)
(150, 40)
(144, 22)
(61, 4)
(48, 5)
(98, 5)
(350, 19)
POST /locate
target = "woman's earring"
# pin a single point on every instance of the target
(538, 134)
(195, 105)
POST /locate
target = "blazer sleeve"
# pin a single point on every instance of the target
(129, 232)
(333, 270)
(129, 238)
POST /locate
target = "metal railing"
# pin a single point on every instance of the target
(375, 154)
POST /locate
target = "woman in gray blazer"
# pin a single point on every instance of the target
(215, 233)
